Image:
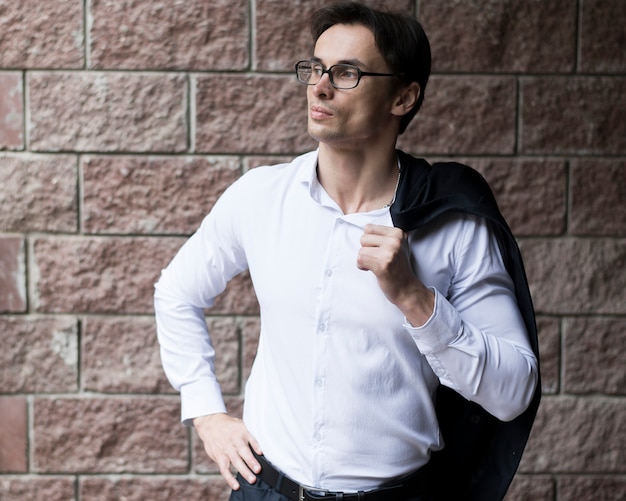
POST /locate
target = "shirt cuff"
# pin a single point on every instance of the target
(200, 398)
(442, 328)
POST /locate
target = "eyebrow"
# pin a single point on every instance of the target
(353, 62)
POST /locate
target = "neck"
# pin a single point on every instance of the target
(358, 181)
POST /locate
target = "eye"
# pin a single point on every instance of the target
(348, 73)
(317, 70)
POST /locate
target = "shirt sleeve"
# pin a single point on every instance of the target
(190, 283)
(476, 340)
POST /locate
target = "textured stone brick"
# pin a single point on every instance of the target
(531, 193)
(234, 115)
(602, 36)
(283, 34)
(13, 435)
(35, 34)
(39, 354)
(225, 335)
(594, 355)
(99, 275)
(576, 275)
(549, 333)
(598, 197)
(153, 489)
(152, 194)
(583, 115)
(115, 435)
(94, 111)
(11, 111)
(194, 34)
(121, 355)
(39, 193)
(252, 162)
(12, 274)
(238, 298)
(19, 488)
(501, 36)
(597, 488)
(531, 488)
(583, 435)
(251, 329)
(458, 116)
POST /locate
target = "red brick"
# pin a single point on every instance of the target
(531, 488)
(458, 117)
(549, 332)
(91, 111)
(594, 355)
(598, 197)
(115, 435)
(283, 34)
(99, 275)
(153, 489)
(39, 192)
(11, 111)
(193, 34)
(152, 194)
(235, 115)
(603, 37)
(19, 488)
(225, 336)
(573, 115)
(35, 34)
(596, 488)
(577, 435)
(121, 355)
(250, 335)
(13, 435)
(40, 354)
(501, 36)
(531, 193)
(238, 298)
(12, 274)
(577, 276)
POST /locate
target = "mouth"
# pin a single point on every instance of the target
(319, 112)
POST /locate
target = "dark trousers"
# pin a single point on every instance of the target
(261, 491)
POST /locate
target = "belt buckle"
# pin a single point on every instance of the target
(302, 492)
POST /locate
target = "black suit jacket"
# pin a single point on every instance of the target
(482, 453)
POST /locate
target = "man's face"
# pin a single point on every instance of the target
(350, 117)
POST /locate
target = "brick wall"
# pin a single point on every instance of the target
(121, 122)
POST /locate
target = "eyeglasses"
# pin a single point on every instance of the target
(342, 76)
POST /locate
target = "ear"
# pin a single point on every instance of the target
(406, 99)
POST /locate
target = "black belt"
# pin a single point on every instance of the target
(414, 485)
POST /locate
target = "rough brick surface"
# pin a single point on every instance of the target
(530, 488)
(121, 355)
(41, 192)
(11, 111)
(531, 193)
(40, 354)
(19, 488)
(603, 37)
(99, 275)
(549, 333)
(109, 435)
(442, 126)
(283, 35)
(504, 36)
(595, 488)
(240, 118)
(12, 275)
(193, 34)
(566, 436)
(13, 435)
(107, 112)
(238, 298)
(560, 115)
(594, 355)
(36, 34)
(152, 194)
(598, 197)
(153, 489)
(577, 275)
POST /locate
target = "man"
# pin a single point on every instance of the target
(361, 322)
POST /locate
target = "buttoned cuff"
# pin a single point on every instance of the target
(442, 328)
(200, 398)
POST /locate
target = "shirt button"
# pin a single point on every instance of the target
(319, 382)
(329, 272)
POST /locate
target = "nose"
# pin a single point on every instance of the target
(323, 87)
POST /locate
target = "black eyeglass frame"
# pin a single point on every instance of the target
(359, 71)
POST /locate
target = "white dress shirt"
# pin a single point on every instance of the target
(340, 395)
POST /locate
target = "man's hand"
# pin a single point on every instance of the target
(227, 442)
(385, 252)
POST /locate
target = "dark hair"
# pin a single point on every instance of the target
(400, 39)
